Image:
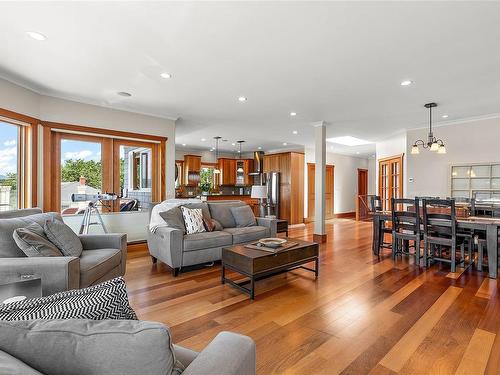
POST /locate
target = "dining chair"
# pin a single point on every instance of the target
(375, 205)
(440, 230)
(406, 227)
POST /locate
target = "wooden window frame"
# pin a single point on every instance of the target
(27, 157)
(389, 161)
(110, 149)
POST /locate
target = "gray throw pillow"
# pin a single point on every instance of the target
(63, 237)
(33, 242)
(243, 216)
(174, 219)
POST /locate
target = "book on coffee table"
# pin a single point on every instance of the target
(258, 246)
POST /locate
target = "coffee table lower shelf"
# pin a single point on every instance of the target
(265, 274)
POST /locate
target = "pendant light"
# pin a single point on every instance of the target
(217, 170)
(240, 168)
(432, 143)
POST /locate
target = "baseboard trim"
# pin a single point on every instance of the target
(345, 215)
(320, 238)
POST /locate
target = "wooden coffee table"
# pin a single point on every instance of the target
(260, 264)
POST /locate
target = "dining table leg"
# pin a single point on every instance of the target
(376, 235)
(492, 247)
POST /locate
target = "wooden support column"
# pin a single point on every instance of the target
(319, 183)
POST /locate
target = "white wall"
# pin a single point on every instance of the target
(467, 142)
(394, 145)
(345, 185)
(27, 102)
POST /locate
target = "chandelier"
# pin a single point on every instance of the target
(432, 143)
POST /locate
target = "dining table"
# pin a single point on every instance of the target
(486, 224)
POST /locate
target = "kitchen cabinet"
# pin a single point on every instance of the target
(191, 172)
(291, 168)
(227, 169)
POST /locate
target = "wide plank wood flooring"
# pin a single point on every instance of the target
(364, 315)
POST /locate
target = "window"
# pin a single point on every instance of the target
(9, 166)
(207, 178)
(475, 180)
(136, 175)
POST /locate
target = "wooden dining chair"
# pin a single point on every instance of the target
(440, 230)
(375, 205)
(406, 227)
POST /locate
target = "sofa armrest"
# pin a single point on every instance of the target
(107, 241)
(58, 273)
(166, 244)
(272, 224)
(228, 354)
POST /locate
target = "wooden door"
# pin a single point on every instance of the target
(329, 183)
(390, 179)
(362, 181)
(361, 199)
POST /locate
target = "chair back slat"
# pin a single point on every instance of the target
(405, 215)
(439, 218)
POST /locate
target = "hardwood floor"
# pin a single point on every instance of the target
(363, 315)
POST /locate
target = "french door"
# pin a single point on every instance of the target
(390, 180)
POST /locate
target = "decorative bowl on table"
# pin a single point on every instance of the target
(272, 242)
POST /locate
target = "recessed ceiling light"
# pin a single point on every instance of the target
(284, 143)
(203, 139)
(166, 75)
(295, 132)
(293, 113)
(239, 151)
(357, 152)
(36, 36)
(242, 99)
(259, 148)
(406, 82)
(348, 141)
(444, 116)
(183, 144)
(124, 93)
(233, 144)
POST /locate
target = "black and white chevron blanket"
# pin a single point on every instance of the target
(107, 300)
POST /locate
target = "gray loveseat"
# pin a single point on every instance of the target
(103, 258)
(115, 347)
(177, 249)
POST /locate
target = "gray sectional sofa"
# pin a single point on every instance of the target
(177, 249)
(103, 258)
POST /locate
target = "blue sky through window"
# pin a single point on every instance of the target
(80, 150)
(8, 148)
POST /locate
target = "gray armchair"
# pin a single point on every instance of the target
(104, 256)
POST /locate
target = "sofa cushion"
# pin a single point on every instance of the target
(32, 241)
(94, 264)
(80, 346)
(8, 247)
(10, 365)
(243, 216)
(206, 240)
(63, 237)
(221, 211)
(204, 208)
(174, 219)
(107, 300)
(248, 234)
(193, 220)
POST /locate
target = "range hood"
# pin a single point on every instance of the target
(258, 163)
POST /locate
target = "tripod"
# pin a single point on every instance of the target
(86, 223)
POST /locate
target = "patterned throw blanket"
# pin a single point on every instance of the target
(157, 221)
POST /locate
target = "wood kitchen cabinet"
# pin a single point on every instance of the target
(291, 168)
(227, 169)
(192, 168)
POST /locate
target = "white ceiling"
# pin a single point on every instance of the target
(337, 62)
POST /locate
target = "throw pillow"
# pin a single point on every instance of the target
(243, 216)
(173, 218)
(209, 225)
(63, 237)
(193, 220)
(107, 300)
(32, 241)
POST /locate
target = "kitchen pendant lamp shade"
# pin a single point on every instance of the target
(259, 192)
(415, 150)
(216, 171)
(240, 170)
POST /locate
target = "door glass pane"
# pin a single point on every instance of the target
(460, 171)
(9, 136)
(81, 173)
(136, 167)
(480, 171)
(495, 170)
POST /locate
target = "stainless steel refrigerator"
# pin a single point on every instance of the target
(272, 182)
